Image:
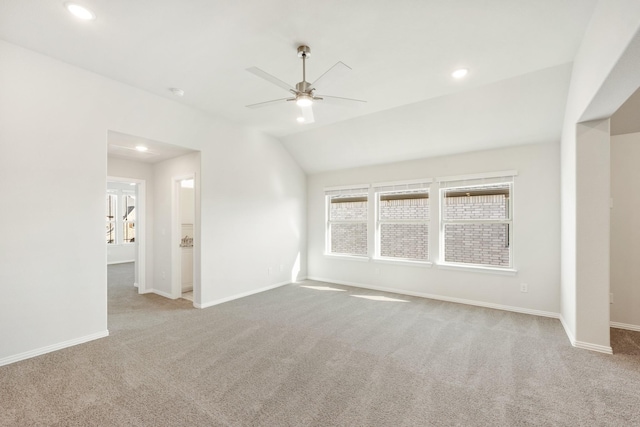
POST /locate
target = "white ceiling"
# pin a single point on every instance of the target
(521, 110)
(123, 146)
(402, 53)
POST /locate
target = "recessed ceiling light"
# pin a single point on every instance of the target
(80, 12)
(176, 91)
(458, 74)
(141, 148)
(300, 119)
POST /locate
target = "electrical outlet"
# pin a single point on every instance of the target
(524, 287)
(269, 271)
(163, 274)
(281, 268)
(611, 298)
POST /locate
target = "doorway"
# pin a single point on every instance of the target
(155, 166)
(183, 236)
(125, 225)
(624, 243)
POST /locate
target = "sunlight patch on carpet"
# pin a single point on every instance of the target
(379, 298)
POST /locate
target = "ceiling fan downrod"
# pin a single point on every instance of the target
(304, 52)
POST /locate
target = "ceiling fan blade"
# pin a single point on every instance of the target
(272, 79)
(307, 113)
(339, 70)
(267, 103)
(339, 100)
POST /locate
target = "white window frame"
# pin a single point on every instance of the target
(119, 221)
(478, 180)
(380, 189)
(114, 221)
(354, 190)
(123, 212)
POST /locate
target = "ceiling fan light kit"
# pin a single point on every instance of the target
(303, 100)
(304, 92)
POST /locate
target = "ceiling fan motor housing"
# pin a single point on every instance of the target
(304, 87)
(304, 51)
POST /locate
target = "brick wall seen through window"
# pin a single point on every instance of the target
(404, 228)
(348, 225)
(472, 237)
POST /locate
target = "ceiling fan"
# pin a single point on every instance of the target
(304, 92)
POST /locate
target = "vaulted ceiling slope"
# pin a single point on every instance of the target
(521, 110)
(402, 54)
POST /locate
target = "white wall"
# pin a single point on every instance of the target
(536, 231)
(187, 213)
(54, 120)
(123, 168)
(118, 254)
(612, 27)
(625, 230)
(592, 237)
(256, 219)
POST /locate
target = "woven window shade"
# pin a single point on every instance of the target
(485, 181)
(402, 186)
(347, 191)
(404, 202)
(467, 200)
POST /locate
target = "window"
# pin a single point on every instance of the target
(476, 221)
(112, 206)
(129, 218)
(347, 214)
(121, 217)
(402, 222)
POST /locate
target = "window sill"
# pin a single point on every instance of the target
(347, 257)
(479, 269)
(398, 261)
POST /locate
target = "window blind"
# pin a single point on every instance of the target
(402, 185)
(477, 180)
(347, 190)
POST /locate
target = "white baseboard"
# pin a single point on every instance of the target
(581, 344)
(120, 262)
(577, 344)
(569, 332)
(593, 347)
(161, 293)
(50, 348)
(626, 326)
(443, 298)
(241, 295)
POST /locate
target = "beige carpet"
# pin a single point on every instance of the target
(310, 356)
